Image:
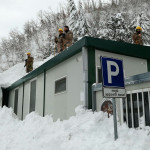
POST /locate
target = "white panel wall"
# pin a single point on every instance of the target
(26, 104)
(63, 105)
(20, 98)
(143, 85)
(26, 99)
(132, 65)
(55, 104)
(39, 94)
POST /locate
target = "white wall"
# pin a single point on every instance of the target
(20, 98)
(12, 100)
(26, 105)
(39, 94)
(143, 85)
(26, 99)
(132, 65)
(63, 105)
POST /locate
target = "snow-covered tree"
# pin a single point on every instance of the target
(73, 18)
(83, 27)
(116, 28)
(38, 36)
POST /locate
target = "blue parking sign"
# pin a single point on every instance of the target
(112, 72)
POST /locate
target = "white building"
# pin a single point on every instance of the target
(66, 80)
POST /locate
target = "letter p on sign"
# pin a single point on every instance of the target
(112, 71)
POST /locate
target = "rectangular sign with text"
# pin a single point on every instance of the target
(113, 93)
(113, 78)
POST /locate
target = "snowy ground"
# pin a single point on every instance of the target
(16, 72)
(85, 131)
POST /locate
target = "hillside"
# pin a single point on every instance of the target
(113, 21)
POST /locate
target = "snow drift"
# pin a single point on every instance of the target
(16, 72)
(85, 131)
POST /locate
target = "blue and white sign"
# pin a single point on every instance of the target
(113, 78)
(113, 83)
(112, 71)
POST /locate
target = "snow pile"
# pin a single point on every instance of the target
(85, 131)
(16, 72)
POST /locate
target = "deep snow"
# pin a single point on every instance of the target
(16, 72)
(85, 131)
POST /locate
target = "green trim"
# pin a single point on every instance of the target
(71, 51)
(89, 42)
(91, 74)
(119, 47)
(148, 65)
(22, 101)
(44, 93)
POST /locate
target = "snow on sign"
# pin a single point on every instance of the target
(113, 77)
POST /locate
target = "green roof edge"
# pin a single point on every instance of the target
(71, 51)
(123, 48)
(96, 43)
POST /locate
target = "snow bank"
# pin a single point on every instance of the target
(85, 131)
(16, 72)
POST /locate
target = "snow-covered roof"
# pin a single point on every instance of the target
(91, 43)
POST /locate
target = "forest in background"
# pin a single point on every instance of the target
(113, 21)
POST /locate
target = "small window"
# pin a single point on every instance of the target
(16, 101)
(32, 95)
(60, 85)
(99, 75)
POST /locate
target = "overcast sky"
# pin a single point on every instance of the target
(14, 13)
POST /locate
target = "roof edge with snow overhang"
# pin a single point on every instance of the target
(122, 48)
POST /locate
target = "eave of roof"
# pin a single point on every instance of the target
(99, 44)
(122, 48)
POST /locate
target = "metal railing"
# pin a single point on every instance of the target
(136, 107)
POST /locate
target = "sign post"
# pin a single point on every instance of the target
(113, 83)
(115, 119)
